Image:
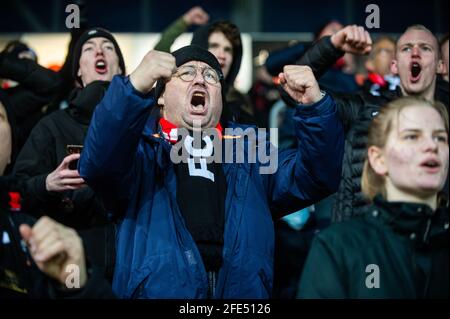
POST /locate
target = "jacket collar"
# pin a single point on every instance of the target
(417, 221)
(153, 134)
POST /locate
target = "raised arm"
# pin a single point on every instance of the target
(312, 171)
(195, 16)
(111, 145)
(326, 51)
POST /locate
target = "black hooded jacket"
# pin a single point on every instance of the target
(37, 87)
(239, 107)
(43, 153)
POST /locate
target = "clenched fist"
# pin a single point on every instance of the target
(54, 247)
(154, 66)
(352, 39)
(196, 16)
(299, 82)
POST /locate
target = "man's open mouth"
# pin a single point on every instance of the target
(101, 67)
(416, 70)
(198, 102)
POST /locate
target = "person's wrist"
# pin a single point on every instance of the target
(138, 85)
(187, 20)
(318, 95)
(334, 42)
(47, 183)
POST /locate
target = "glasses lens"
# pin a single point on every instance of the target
(211, 76)
(188, 73)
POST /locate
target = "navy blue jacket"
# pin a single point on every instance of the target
(128, 164)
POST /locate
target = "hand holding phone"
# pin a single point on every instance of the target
(63, 178)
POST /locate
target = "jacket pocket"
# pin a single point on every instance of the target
(242, 177)
(155, 280)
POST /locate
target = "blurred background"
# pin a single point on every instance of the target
(267, 24)
(250, 15)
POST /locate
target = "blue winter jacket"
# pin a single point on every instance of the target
(128, 164)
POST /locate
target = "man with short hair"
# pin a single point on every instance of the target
(417, 62)
(202, 227)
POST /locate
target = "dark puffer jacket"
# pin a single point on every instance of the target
(356, 111)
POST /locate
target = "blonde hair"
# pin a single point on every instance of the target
(379, 129)
(421, 27)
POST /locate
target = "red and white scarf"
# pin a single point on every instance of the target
(170, 131)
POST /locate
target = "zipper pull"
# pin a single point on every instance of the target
(427, 230)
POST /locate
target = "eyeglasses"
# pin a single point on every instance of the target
(189, 72)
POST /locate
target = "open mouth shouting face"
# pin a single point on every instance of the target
(98, 61)
(415, 72)
(198, 105)
(417, 62)
(188, 99)
(101, 66)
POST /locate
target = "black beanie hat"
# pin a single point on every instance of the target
(193, 53)
(89, 34)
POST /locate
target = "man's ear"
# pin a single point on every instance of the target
(394, 67)
(79, 72)
(441, 67)
(377, 160)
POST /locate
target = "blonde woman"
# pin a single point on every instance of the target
(398, 247)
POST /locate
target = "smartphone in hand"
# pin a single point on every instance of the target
(73, 149)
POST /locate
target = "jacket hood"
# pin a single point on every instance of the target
(83, 101)
(200, 38)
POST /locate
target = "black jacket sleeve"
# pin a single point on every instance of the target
(96, 287)
(31, 76)
(321, 56)
(34, 163)
(348, 106)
